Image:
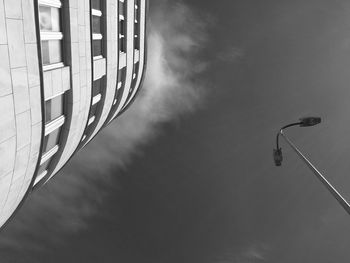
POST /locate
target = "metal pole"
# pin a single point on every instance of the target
(323, 180)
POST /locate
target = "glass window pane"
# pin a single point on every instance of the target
(51, 140)
(96, 4)
(45, 52)
(121, 75)
(97, 47)
(136, 29)
(122, 45)
(93, 110)
(51, 51)
(136, 69)
(119, 85)
(117, 94)
(44, 166)
(122, 28)
(45, 18)
(49, 18)
(53, 108)
(96, 24)
(136, 42)
(121, 8)
(55, 19)
(90, 129)
(55, 51)
(96, 88)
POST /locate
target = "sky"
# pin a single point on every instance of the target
(186, 174)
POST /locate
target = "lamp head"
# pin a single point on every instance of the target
(277, 156)
(309, 121)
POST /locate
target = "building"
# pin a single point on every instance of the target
(67, 69)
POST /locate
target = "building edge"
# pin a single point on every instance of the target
(42, 104)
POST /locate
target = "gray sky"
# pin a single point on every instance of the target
(187, 174)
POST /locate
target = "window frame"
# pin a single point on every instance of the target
(97, 36)
(47, 35)
(122, 27)
(62, 95)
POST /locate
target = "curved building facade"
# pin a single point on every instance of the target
(67, 69)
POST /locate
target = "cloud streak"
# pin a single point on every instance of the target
(171, 90)
(250, 254)
(231, 54)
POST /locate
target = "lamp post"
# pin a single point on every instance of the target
(277, 155)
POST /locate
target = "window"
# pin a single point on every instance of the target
(96, 24)
(134, 79)
(135, 70)
(137, 25)
(122, 44)
(97, 28)
(96, 4)
(122, 32)
(51, 52)
(96, 99)
(91, 127)
(93, 110)
(121, 75)
(44, 167)
(120, 82)
(136, 42)
(54, 120)
(97, 48)
(122, 26)
(49, 18)
(51, 140)
(51, 37)
(96, 87)
(50, 145)
(50, 32)
(54, 108)
(91, 120)
(121, 7)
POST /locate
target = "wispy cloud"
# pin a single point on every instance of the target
(250, 254)
(231, 54)
(176, 35)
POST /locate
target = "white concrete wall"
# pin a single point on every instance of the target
(20, 91)
(20, 103)
(112, 68)
(129, 54)
(80, 45)
(141, 51)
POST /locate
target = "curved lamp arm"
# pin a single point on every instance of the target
(277, 154)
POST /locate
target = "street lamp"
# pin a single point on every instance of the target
(277, 156)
